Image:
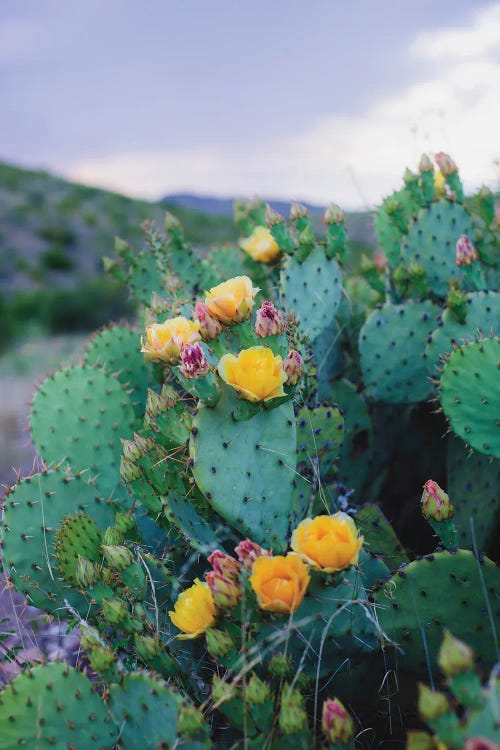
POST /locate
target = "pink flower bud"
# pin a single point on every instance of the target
(446, 164)
(466, 253)
(210, 327)
(293, 366)
(436, 505)
(224, 565)
(226, 592)
(380, 259)
(336, 723)
(480, 743)
(249, 551)
(269, 320)
(193, 361)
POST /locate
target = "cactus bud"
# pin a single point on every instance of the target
(455, 656)
(224, 564)
(466, 253)
(480, 743)
(190, 722)
(419, 741)
(336, 722)
(146, 647)
(112, 536)
(129, 471)
(269, 320)
(409, 177)
(124, 523)
(280, 666)
(248, 551)
(171, 222)
(445, 163)
(222, 690)
(210, 326)
(225, 591)
(431, 704)
(435, 503)
(85, 572)
(273, 217)
(293, 365)
(88, 638)
(334, 214)
(456, 302)
(193, 361)
(425, 164)
(219, 643)
(292, 717)
(117, 556)
(114, 611)
(101, 658)
(297, 211)
(258, 691)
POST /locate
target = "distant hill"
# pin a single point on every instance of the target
(359, 222)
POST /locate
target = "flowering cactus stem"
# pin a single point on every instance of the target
(446, 531)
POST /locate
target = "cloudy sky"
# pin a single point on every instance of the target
(308, 99)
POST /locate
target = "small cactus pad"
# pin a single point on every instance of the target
(468, 392)
(229, 261)
(389, 234)
(34, 510)
(117, 349)
(432, 239)
(247, 469)
(54, 705)
(79, 415)
(443, 590)
(148, 713)
(474, 487)
(483, 314)
(77, 536)
(320, 432)
(147, 276)
(313, 290)
(194, 529)
(391, 344)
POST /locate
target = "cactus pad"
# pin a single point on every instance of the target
(443, 590)
(380, 537)
(147, 276)
(77, 535)
(391, 344)
(147, 712)
(320, 432)
(313, 290)
(34, 510)
(247, 469)
(117, 349)
(79, 415)
(483, 314)
(54, 706)
(468, 392)
(432, 239)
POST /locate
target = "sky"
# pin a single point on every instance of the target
(313, 100)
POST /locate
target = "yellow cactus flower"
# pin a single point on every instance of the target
(194, 611)
(256, 373)
(280, 582)
(232, 301)
(261, 245)
(439, 184)
(329, 543)
(165, 340)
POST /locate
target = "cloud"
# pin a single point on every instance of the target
(354, 160)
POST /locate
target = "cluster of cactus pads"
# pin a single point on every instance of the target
(230, 507)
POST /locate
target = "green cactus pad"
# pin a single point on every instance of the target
(117, 349)
(391, 345)
(483, 314)
(468, 392)
(79, 415)
(485, 722)
(380, 537)
(226, 262)
(34, 510)
(247, 469)
(147, 711)
(147, 276)
(320, 433)
(432, 239)
(54, 706)
(194, 529)
(389, 235)
(313, 290)
(473, 486)
(77, 535)
(443, 590)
